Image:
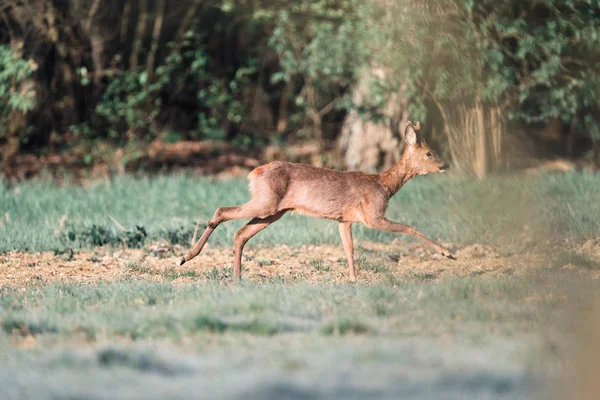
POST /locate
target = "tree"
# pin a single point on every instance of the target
(318, 44)
(370, 137)
(481, 62)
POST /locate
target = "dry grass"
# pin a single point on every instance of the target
(395, 262)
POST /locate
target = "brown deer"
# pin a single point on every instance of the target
(344, 196)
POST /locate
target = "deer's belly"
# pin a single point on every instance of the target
(344, 214)
(313, 212)
(329, 204)
(347, 216)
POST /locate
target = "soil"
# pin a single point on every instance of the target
(395, 262)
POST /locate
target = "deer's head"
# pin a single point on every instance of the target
(419, 157)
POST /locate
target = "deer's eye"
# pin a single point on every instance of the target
(429, 154)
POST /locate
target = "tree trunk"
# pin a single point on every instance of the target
(314, 114)
(124, 28)
(139, 36)
(475, 133)
(371, 146)
(97, 46)
(481, 145)
(282, 117)
(92, 14)
(158, 23)
(185, 25)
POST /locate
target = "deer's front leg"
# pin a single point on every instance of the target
(346, 234)
(391, 226)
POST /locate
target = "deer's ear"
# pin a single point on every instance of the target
(410, 133)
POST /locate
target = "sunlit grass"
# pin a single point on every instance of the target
(131, 211)
(467, 307)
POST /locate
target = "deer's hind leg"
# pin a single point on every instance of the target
(246, 233)
(258, 208)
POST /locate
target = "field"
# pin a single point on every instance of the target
(92, 304)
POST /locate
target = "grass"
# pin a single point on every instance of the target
(133, 211)
(576, 258)
(144, 310)
(273, 372)
(272, 340)
(416, 337)
(320, 265)
(169, 274)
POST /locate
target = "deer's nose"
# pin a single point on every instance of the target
(445, 167)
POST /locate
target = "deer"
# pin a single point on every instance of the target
(348, 197)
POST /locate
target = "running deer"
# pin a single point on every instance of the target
(345, 196)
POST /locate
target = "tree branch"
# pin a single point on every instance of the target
(125, 23)
(185, 25)
(327, 109)
(92, 14)
(139, 36)
(158, 23)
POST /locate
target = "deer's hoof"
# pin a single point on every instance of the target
(182, 261)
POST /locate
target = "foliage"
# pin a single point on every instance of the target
(535, 59)
(13, 71)
(236, 69)
(325, 52)
(129, 103)
(15, 94)
(98, 235)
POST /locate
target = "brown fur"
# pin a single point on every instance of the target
(344, 196)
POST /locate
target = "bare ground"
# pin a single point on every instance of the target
(396, 262)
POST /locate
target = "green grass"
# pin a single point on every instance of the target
(419, 337)
(169, 274)
(498, 210)
(271, 340)
(144, 310)
(576, 258)
(320, 265)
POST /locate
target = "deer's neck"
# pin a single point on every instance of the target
(394, 178)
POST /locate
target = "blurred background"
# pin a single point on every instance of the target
(109, 86)
(93, 302)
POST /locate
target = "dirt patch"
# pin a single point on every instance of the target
(395, 262)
